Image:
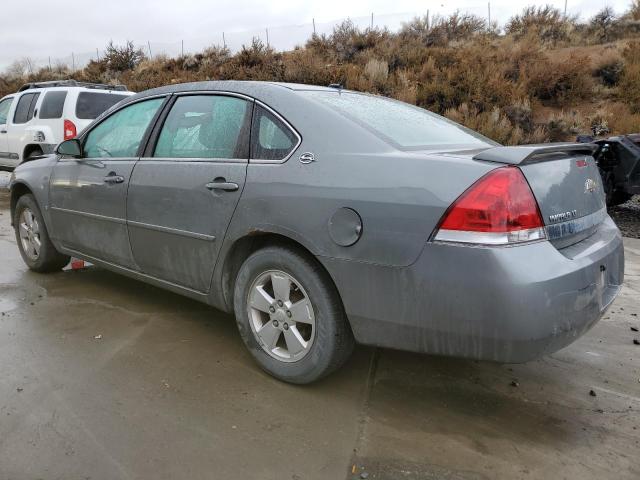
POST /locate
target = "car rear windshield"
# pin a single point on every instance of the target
(403, 125)
(91, 104)
(53, 104)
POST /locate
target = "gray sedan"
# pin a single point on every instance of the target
(323, 217)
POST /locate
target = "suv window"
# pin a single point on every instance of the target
(53, 105)
(271, 139)
(25, 108)
(5, 105)
(206, 126)
(91, 104)
(120, 134)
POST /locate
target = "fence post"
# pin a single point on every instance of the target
(183, 48)
(371, 20)
(49, 63)
(267, 30)
(314, 25)
(565, 8)
(73, 62)
(149, 45)
(224, 42)
(489, 10)
(427, 19)
(97, 55)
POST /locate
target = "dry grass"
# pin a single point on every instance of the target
(548, 78)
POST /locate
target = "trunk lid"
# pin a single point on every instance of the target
(566, 182)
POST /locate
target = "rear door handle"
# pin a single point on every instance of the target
(222, 184)
(112, 179)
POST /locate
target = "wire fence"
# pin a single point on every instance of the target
(280, 38)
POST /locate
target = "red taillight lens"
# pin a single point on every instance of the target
(70, 130)
(499, 208)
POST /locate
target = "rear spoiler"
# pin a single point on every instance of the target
(532, 153)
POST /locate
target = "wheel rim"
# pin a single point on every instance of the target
(281, 316)
(29, 231)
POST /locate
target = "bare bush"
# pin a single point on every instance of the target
(122, 58)
(546, 21)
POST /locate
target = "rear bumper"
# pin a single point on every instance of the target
(509, 304)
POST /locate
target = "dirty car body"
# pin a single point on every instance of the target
(375, 206)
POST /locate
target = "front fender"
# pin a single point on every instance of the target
(33, 177)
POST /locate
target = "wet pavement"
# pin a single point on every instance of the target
(102, 377)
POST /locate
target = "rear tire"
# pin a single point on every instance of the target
(290, 315)
(32, 237)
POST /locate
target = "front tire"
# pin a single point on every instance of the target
(32, 237)
(290, 315)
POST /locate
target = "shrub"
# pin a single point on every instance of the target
(377, 72)
(120, 59)
(565, 126)
(608, 68)
(604, 25)
(545, 21)
(561, 81)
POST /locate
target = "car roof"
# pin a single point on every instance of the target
(251, 88)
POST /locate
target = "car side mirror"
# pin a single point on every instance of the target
(70, 148)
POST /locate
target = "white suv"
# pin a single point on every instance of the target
(41, 115)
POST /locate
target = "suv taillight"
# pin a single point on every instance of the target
(498, 209)
(70, 130)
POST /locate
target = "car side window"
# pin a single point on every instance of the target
(271, 139)
(5, 105)
(206, 126)
(120, 134)
(53, 104)
(25, 108)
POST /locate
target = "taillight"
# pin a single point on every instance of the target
(70, 130)
(498, 209)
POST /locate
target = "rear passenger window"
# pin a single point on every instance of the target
(25, 108)
(271, 139)
(53, 105)
(206, 126)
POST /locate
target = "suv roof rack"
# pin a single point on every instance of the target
(72, 83)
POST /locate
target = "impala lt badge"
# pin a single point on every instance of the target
(590, 185)
(563, 216)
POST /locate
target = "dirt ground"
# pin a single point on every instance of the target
(102, 377)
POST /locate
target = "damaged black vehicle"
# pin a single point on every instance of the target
(618, 159)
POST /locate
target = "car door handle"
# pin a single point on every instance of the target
(112, 179)
(222, 184)
(3, 131)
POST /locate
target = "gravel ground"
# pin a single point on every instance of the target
(627, 215)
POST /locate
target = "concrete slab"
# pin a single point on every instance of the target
(103, 377)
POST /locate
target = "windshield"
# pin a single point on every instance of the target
(405, 126)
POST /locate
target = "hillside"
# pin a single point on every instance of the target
(542, 77)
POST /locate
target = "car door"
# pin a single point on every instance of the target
(5, 106)
(183, 194)
(88, 195)
(18, 135)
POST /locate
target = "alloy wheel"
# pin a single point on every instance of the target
(29, 231)
(281, 316)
